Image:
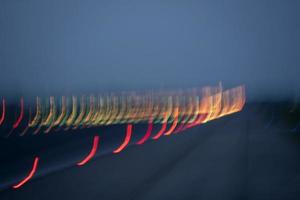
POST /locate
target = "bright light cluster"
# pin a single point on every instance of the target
(173, 111)
(182, 109)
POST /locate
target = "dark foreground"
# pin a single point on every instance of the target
(254, 154)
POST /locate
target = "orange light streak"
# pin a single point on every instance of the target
(175, 122)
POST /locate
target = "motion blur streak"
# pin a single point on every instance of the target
(182, 126)
(3, 112)
(199, 121)
(92, 153)
(163, 128)
(181, 109)
(160, 132)
(17, 123)
(53, 115)
(90, 114)
(172, 128)
(37, 117)
(82, 113)
(147, 135)
(127, 139)
(71, 118)
(30, 175)
(63, 111)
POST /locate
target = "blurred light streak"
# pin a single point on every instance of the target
(63, 111)
(47, 120)
(92, 152)
(100, 112)
(30, 175)
(91, 111)
(114, 111)
(195, 104)
(38, 114)
(3, 112)
(81, 113)
(148, 133)
(72, 117)
(27, 127)
(172, 128)
(200, 120)
(19, 119)
(66, 116)
(165, 119)
(107, 112)
(122, 110)
(181, 109)
(126, 140)
(161, 131)
(53, 115)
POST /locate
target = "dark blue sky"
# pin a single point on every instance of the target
(68, 46)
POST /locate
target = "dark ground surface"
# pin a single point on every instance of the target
(248, 155)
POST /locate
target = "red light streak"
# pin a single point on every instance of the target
(30, 175)
(179, 128)
(200, 120)
(147, 135)
(92, 152)
(127, 139)
(182, 125)
(160, 132)
(17, 123)
(3, 112)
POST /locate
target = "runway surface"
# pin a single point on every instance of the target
(248, 155)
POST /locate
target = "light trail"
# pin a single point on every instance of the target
(30, 175)
(38, 114)
(19, 119)
(148, 133)
(63, 111)
(70, 120)
(126, 140)
(3, 112)
(53, 115)
(92, 152)
(81, 113)
(90, 114)
(177, 110)
(172, 128)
